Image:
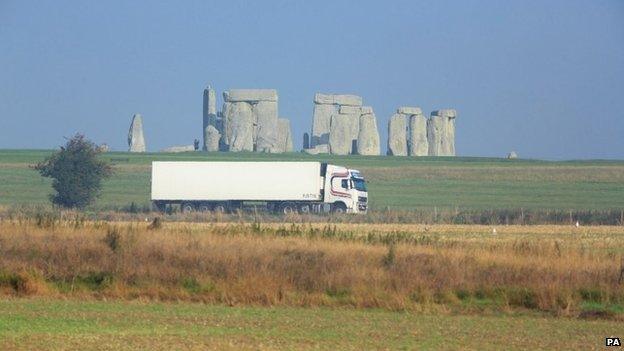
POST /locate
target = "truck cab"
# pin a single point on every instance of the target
(347, 190)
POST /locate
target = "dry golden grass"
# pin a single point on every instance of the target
(558, 269)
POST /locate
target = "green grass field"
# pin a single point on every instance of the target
(401, 183)
(39, 324)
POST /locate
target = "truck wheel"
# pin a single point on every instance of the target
(339, 207)
(187, 207)
(288, 208)
(304, 208)
(219, 208)
(204, 208)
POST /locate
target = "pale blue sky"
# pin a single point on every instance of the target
(544, 78)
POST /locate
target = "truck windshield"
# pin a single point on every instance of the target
(359, 184)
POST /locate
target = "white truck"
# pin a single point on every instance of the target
(285, 187)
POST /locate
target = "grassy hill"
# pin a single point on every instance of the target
(401, 183)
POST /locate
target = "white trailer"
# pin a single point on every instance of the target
(280, 186)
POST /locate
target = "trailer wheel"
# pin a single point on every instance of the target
(219, 208)
(339, 207)
(288, 208)
(204, 208)
(187, 207)
(305, 208)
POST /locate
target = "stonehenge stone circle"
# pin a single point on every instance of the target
(368, 136)
(211, 138)
(136, 141)
(397, 135)
(336, 125)
(410, 133)
(417, 135)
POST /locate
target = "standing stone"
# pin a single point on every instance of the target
(136, 141)
(265, 126)
(417, 138)
(211, 139)
(321, 124)
(441, 132)
(353, 121)
(340, 135)
(368, 137)
(284, 142)
(209, 111)
(397, 135)
(239, 120)
(306, 141)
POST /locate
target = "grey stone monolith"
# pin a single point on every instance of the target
(136, 140)
(321, 124)
(417, 135)
(284, 140)
(340, 141)
(306, 141)
(211, 138)
(239, 126)
(209, 111)
(249, 95)
(441, 132)
(265, 126)
(338, 99)
(368, 136)
(397, 135)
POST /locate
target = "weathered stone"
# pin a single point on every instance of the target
(136, 140)
(354, 130)
(512, 155)
(407, 110)
(209, 111)
(417, 137)
(397, 135)
(211, 138)
(265, 126)
(312, 151)
(321, 124)
(368, 137)
(441, 132)
(338, 99)
(350, 110)
(284, 138)
(239, 126)
(366, 110)
(179, 148)
(448, 113)
(250, 95)
(436, 127)
(224, 130)
(306, 141)
(340, 140)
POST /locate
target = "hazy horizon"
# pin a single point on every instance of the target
(545, 79)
